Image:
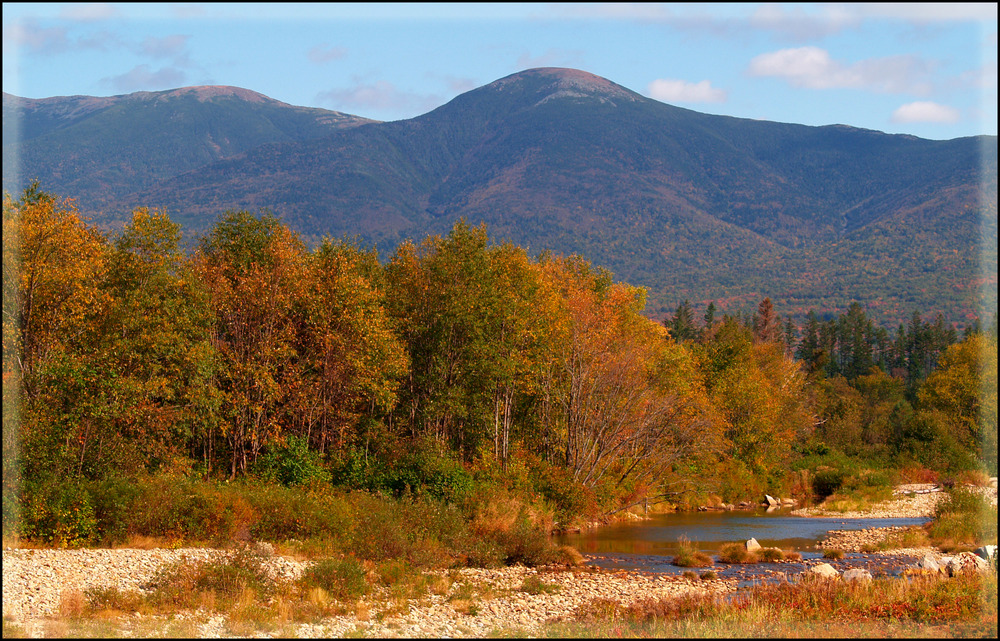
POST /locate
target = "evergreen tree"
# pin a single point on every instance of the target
(681, 325)
(766, 324)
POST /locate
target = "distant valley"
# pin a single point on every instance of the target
(692, 206)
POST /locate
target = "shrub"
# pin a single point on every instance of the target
(736, 553)
(61, 513)
(534, 585)
(291, 463)
(833, 554)
(965, 517)
(689, 557)
(217, 583)
(343, 579)
(827, 481)
(772, 555)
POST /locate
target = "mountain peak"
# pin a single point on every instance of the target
(561, 82)
(204, 93)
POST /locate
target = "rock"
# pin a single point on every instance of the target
(966, 562)
(987, 552)
(824, 570)
(928, 564)
(752, 545)
(857, 574)
(771, 501)
(788, 501)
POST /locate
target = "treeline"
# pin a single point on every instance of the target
(457, 361)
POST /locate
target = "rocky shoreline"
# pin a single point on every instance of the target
(37, 581)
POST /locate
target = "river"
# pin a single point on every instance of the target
(649, 545)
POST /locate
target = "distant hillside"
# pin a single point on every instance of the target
(690, 205)
(100, 149)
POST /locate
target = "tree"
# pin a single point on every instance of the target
(964, 390)
(681, 324)
(766, 323)
(466, 313)
(349, 360)
(253, 268)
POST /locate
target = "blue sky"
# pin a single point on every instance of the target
(924, 69)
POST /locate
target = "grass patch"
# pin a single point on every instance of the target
(534, 585)
(936, 607)
(736, 553)
(342, 579)
(689, 557)
(834, 554)
(966, 519)
(771, 555)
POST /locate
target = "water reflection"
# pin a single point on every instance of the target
(649, 545)
(708, 531)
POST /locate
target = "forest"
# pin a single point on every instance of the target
(143, 373)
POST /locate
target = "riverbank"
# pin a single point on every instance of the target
(45, 591)
(39, 587)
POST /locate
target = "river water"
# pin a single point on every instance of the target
(649, 545)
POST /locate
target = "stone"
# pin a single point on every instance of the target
(966, 562)
(987, 552)
(824, 570)
(928, 564)
(856, 574)
(788, 501)
(770, 500)
(752, 545)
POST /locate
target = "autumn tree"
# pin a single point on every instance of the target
(629, 405)
(254, 269)
(759, 392)
(349, 360)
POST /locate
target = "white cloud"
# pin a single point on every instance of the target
(142, 78)
(36, 39)
(682, 91)
(165, 47)
(89, 11)
(551, 58)
(813, 68)
(799, 25)
(326, 53)
(926, 112)
(380, 95)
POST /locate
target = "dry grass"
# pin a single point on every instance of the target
(736, 553)
(934, 607)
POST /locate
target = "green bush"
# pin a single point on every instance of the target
(291, 463)
(182, 584)
(343, 579)
(965, 517)
(827, 481)
(60, 513)
(113, 500)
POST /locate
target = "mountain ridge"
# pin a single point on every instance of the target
(690, 205)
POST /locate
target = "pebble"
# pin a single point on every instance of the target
(35, 580)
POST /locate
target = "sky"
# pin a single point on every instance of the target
(928, 70)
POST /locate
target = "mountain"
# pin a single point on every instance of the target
(692, 206)
(99, 149)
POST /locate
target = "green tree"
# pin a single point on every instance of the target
(964, 390)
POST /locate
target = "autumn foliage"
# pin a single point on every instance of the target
(458, 362)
